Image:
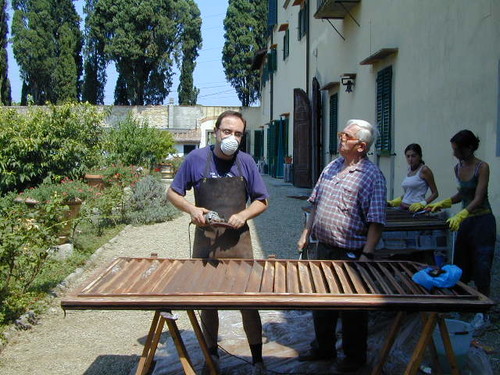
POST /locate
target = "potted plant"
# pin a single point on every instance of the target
(115, 174)
(70, 193)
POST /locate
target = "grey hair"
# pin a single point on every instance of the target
(366, 133)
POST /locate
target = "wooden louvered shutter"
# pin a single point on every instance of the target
(384, 111)
(334, 126)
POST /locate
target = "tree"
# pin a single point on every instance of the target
(245, 30)
(141, 37)
(47, 45)
(190, 44)
(94, 80)
(5, 95)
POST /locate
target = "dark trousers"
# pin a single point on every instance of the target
(354, 323)
(354, 333)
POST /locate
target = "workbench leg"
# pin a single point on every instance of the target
(201, 340)
(179, 343)
(389, 341)
(445, 336)
(149, 350)
(432, 347)
(422, 343)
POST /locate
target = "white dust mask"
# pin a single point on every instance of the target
(229, 145)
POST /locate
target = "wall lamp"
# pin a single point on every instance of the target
(347, 80)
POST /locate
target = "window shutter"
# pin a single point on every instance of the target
(286, 44)
(258, 150)
(334, 109)
(384, 110)
(272, 15)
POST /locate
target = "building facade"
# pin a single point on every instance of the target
(420, 70)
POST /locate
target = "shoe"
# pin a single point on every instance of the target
(314, 355)
(259, 369)
(206, 369)
(348, 366)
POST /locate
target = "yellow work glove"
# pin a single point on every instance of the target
(419, 206)
(455, 221)
(396, 202)
(439, 205)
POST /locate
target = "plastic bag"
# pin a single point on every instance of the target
(445, 279)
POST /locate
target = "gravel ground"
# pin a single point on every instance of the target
(111, 342)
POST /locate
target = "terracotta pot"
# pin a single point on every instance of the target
(167, 171)
(95, 180)
(70, 215)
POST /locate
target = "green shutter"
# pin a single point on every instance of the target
(271, 148)
(286, 44)
(258, 149)
(384, 110)
(274, 60)
(334, 127)
(272, 16)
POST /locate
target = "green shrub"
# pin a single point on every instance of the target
(26, 236)
(54, 141)
(68, 190)
(148, 203)
(132, 142)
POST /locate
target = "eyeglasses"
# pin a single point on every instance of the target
(229, 132)
(344, 137)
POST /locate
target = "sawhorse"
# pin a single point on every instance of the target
(155, 331)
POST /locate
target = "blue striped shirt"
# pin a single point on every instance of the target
(346, 202)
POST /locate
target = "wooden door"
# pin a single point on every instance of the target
(301, 139)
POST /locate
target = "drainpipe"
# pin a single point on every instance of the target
(271, 88)
(307, 48)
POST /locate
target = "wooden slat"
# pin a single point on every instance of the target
(267, 278)
(158, 278)
(406, 282)
(242, 276)
(113, 277)
(390, 277)
(159, 287)
(279, 278)
(304, 279)
(178, 282)
(218, 269)
(292, 279)
(317, 277)
(372, 268)
(332, 281)
(367, 279)
(141, 274)
(255, 278)
(343, 277)
(355, 278)
(103, 275)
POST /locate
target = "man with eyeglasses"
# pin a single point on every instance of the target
(224, 178)
(347, 219)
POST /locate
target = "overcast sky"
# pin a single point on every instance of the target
(208, 76)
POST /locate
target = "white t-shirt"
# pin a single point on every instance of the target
(415, 188)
